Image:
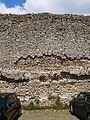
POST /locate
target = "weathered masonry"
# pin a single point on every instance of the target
(44, 54)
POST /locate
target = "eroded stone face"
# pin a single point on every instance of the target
(44, 54)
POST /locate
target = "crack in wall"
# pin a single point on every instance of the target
(63, 59)
(73, 76)
(12, 80)
(42, 56)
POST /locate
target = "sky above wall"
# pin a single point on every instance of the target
(81, 7)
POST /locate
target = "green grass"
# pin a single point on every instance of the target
(31, 106)
(35, 104)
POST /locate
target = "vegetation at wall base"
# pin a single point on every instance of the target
(31, 106)
(35, 104)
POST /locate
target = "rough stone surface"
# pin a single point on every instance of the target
(44, 54)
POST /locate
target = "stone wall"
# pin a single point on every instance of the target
(44, 54)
